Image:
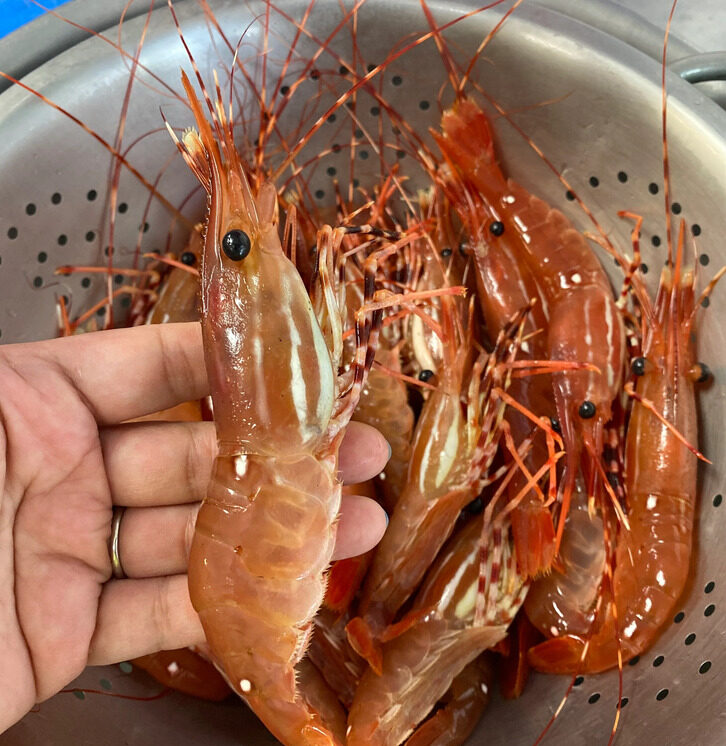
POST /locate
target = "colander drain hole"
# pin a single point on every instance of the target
(593, 698)
(12, 233)
(690, 639)
(658, 661)
(662, 694)
(705, 667)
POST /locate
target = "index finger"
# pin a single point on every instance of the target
(127, 373)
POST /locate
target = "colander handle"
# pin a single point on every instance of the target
(708, 69)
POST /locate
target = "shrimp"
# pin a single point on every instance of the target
(652, 558)
(419, 665)
(265, 532)
(584, 322)
(505, 284)
(384, 405)
(179, 294)
(451, 451)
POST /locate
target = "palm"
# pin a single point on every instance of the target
(67, 462)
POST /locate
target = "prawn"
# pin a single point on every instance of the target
(652, 558)
(420, 662)
(450, 453)
(265, 532)
(505, 284)
(574, 285)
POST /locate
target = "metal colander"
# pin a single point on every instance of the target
(601, 129)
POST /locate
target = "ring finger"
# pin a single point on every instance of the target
(155, 541)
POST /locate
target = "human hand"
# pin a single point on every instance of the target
(66, 460)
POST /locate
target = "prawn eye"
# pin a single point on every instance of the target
(587, 410)
(236, 245)
(497, 228)
(638, 366)
(705, 373)
(555, 423)
(425, 375)
(188, 258)
(446, 252)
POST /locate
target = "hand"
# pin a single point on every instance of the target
(65, 461)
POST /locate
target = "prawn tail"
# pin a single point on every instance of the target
(321, 698)
(463, 706)
(418, 669)
(514, 668)
(363, 640)
(296, 723)
(344, 579)
(569, 655)
(534, 538)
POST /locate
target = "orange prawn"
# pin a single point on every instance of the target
(266, 530)
(505, 284)
(422, 657)
(584, 321)
(652, 557)
(451, 451)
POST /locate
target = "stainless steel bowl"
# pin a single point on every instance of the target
(603, 120)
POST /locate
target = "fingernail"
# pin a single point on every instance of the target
(390, 450)
(388, 520)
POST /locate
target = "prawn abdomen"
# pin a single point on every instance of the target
(262, 542)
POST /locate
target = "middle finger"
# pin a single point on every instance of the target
(169, 463)
(154, 542)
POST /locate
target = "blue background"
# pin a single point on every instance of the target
(15, 13)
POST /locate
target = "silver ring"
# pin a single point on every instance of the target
(117, 569)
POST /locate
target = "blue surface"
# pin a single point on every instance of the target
(16, 13)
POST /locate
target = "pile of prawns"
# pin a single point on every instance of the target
(535, 418)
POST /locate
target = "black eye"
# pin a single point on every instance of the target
(638, 366)
(425, 375)
(705, 373)
(587, 410)
(188, 258)
(556, 425)
(497, 228)
(236, 245)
